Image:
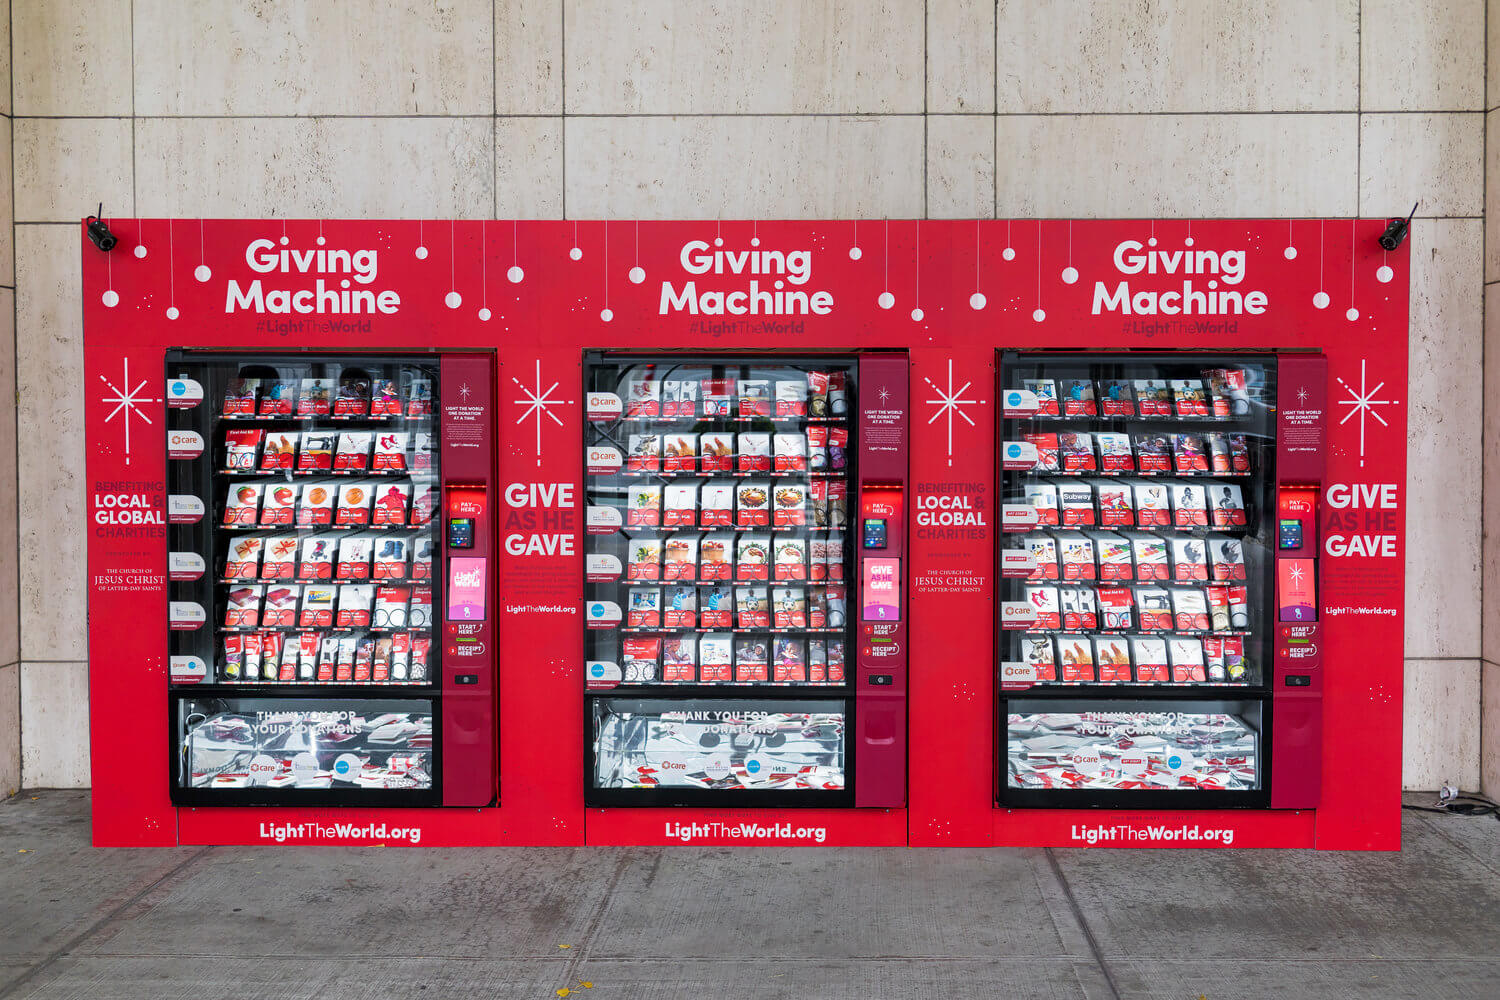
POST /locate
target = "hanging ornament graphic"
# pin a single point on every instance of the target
(140, 235)
(977, 300)
(607, 313)
(886, 299)
(1290, 253)
(1363, 403)
(201, 272)
(638, 273)
(1320, 299)
(111, 298)
(484, 270)
(916, 311)
(1009, 253)
(1070, 273)
(949, 402)
(1188, 241)
(321, 241)
(421, 250)
(515, 274)
(1352, 314)
(754, 237)
(171, 272)
(576, 253)
(539, 404)
(128, 403)
(855, 253)
(453, 299)
(1038, 314)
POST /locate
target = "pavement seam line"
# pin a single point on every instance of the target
(580, 952)
(1088, 933)
(72, 943)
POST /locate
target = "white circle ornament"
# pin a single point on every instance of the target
(1009, 253)
(1070, 274)
(454, 300)
(1039, 315)
(285, 240)
(202, 273)
(576, 253)
(886, 300)
(1384, 273)
(1352, 314)
(172, 312)
(515, 274)
(755, 241)
(855, 253)
(606, 314)
(977, 300)
(110, 297)
(637, 274)
(1188, 242)
(1290, 253)
(321, 241)
(421, 253)
(718, 241)
(1321, 300)
(484, 314)
(917, 314)
(140, 250)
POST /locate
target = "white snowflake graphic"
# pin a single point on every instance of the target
(885, 395)
(1302, 394)
(951, 401)
(463, 392)
(538, 404)
(128, 401)
(1296, 573)
(1364, 403)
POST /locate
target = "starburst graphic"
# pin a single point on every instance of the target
(1302, 394)
(951, 401)
(463, 392)
(1296, 574)
(885, 395)
(538, 404)
(1364, 403)
(128, 401)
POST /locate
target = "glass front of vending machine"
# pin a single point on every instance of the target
(319, 549)
(1137, 559)
(723, 666)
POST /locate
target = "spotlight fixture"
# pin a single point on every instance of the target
(1395, 231)
(99, 232)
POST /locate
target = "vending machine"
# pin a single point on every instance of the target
(743, 583)
(1158, 561)
(329, 554)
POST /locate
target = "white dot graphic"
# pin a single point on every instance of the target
(1384, 273)
(140, 250)
(202, 273)
(1009, 253)
(1070, 274)
(917, 314)
(172, 312)
(110, 298)
(886, 300)
(421, 253)
(606, 314)
(1151, 241)
(855, 253)
(454, 300)
(755, 241)
(484, 314)
(321, 241)
(1321, 300)
(977, 300)
(1039, 315)
(1188, 242)
(1352, 314)
(576, 253)
(718, 241)
(637, 275)
(515, 274)
(1290, 253)
(285, 240)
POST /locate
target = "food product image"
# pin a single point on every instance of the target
(1112, 658)
(715, 452)
(790, 558)
(789, 504)
(243, 504)
(715, 557)
(278, 504)
(680, 505)
(645, 559)
(753, 558)
(680, 453)
(681, 555)
(643, 505)
(752, 503)
(1076, 656)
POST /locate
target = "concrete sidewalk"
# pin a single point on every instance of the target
(865, 924)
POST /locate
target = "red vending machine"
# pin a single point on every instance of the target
(743, 590)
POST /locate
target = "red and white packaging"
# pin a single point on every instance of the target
(1154, 609)
(281, 605)
(1116, 608)
(715, 656)
(644, 610)
(355, 553)
(1078, 609)
(344, 670)
(817, 394)
(421, 452)
(1213, 656)
(401, 656)
(817, 448)
(838, 449)
(1239, 453)
(716, 505)
(1113, 554)
(1076, 654)
(752, 503)
(316, 507)
(681, 555)
(1218, 608)
(1228, 505)
(1078, 397)
(1077, 557)
(1152, 506)
(789, 607)
(317, 606)
(834, 557)
(423, 503)
(716, 452)
(255, 644)
(716, 607)
(789, 665)
(353, 504)
(645, 559)
(242, 608)
(642, 397)
(419, 615)
(390, 451)
(755, 397)
(1153, 452)
(364, 660)
(239, 397)
(1188, 505)
(838, 503)
(316, 562)
(1114, 452)
(1189, 609)
(391, 606)
(1116, 502)
(1075, 501)
(718, 397)
(817, 558)
(380, 663)
(328, 657)
(1189, 454)
(288, 665)
(1189, 560)
(243, 562)
(1045, 604)
(1227, 556)
(680, 453)
(1217, 446)
(1076, 452)
(752, 560)
(680, 505)
(1040, 652)
(715, 557)
(838, 396)
(317, 451)
(817, 607)
(419, 398)
(390, 503)
(752, 659)
(1112, 658)
(642, 659)
(279, 452)
(420, 645)
(789, 504)
(679, 655)
(1150, 656)
(1192, 398)
(835, 661)
(390, 557)
(645, 453)
(278, 504)
(680, 607)
(355, 603)
(1150, 552)
(817, 661)
(643, 505)
(421, 558)
(752, 607)
(753, 452)
(790, 558)
(791, 399)
(241, 446)
(1239, 607)
(1043, 550)
(1186, 657)
(790, 451)
(308, 644)
(385, 398)
(242, 506)
(353, 453)
(1046, 451)
(352, 398)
